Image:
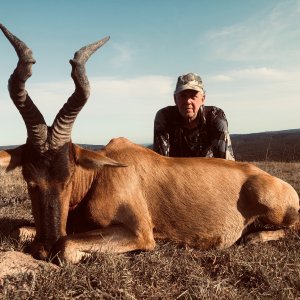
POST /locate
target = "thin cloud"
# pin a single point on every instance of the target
(262, 73)
(259, 73)
(134, 96)
(123, 54)
(265, 36)
(226, 32)
(221, 77)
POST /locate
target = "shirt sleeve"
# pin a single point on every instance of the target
(161, 140)
(221, 142)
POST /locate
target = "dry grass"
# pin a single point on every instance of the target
(265, 271)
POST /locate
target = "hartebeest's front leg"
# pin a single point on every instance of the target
(115, 238)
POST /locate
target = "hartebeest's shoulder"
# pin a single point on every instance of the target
(122, 145)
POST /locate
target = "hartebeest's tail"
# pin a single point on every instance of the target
(37, 131)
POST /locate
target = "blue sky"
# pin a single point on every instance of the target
(247, 53)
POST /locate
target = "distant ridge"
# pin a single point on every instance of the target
(282, 145)
(269, 132)
(8, 147)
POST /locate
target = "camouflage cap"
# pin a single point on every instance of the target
(190, 81)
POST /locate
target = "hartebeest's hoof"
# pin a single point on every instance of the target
(264, 236)
(23, 234)
(66, 251)
(75, 256)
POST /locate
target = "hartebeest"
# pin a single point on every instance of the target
(124, 196)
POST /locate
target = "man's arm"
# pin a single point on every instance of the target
(161, 140)
(221, 141)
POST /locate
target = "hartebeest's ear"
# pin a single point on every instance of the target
(91, 159)
(11, 158)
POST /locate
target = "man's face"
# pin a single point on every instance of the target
(189, 103)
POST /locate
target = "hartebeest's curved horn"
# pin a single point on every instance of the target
(34, 121)
(63, 123)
